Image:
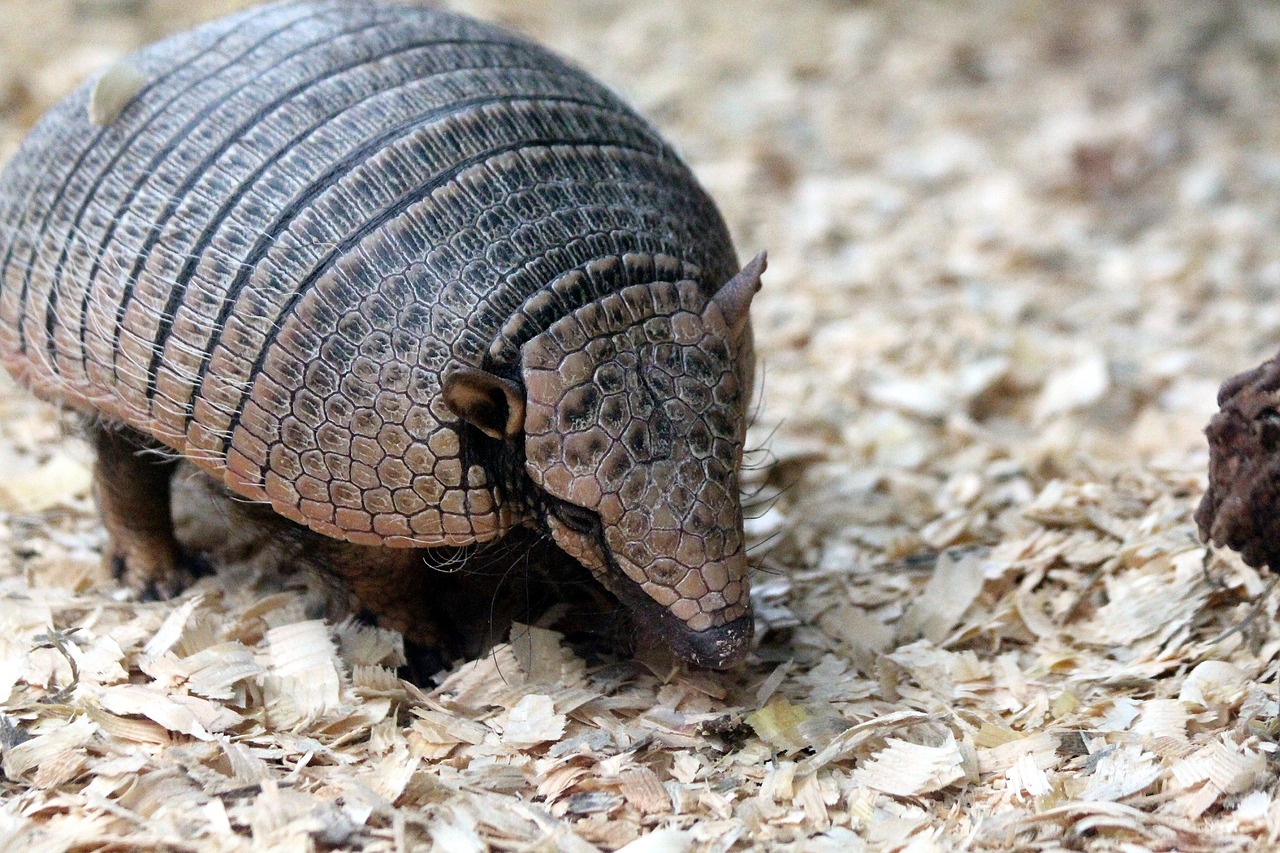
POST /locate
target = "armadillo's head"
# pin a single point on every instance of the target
(1241, 508)
(634, 414)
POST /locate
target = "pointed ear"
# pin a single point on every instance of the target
(491, 404)
(734, 297)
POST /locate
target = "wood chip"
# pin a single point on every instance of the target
(643, 789)
(952, 587)
(1120, 773)
(21, 757)
(302, 682)
(907, 769)
(533, 720)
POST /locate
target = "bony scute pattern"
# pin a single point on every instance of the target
(318, 250)
(634, 412)
(364, 450)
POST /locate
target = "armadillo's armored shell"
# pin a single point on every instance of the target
(268, 255)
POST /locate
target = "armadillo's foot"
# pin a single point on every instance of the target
(422, 661)
(131, 486)
(453, 604)
(147, 566)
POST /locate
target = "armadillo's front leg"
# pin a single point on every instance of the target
(131, 487)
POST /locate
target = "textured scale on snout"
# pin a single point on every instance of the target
(414, 282)
(635, 412)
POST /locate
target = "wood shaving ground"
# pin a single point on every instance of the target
(1013, 250)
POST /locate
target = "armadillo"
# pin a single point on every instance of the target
(410, 280)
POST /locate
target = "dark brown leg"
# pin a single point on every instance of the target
(456, 603)
(131, 487)
(443, 599)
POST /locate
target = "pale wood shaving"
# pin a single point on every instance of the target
(170, 631)
(952, 587)
(533, 720)
(302, 682)
(1225, 767)
(1121, 772)
(1040, 749)
(218, 671)
(1214, 684)
(189, 715)
(20, 758)
(907, 769)
(661, 841)
(1028, 779)
(129, 728)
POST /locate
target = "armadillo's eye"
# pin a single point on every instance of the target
(1267, 428)
(574, 517)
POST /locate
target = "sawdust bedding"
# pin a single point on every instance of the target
(1014, 248)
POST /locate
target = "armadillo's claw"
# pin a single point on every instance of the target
(152, 568)
(131, 487)
(422, 660)
(717, 648)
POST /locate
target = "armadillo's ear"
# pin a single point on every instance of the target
(491, 404)
(734, 298)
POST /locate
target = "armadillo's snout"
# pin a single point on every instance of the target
(634, 408)
(716, 648)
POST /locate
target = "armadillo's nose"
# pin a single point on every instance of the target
(717, 648)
